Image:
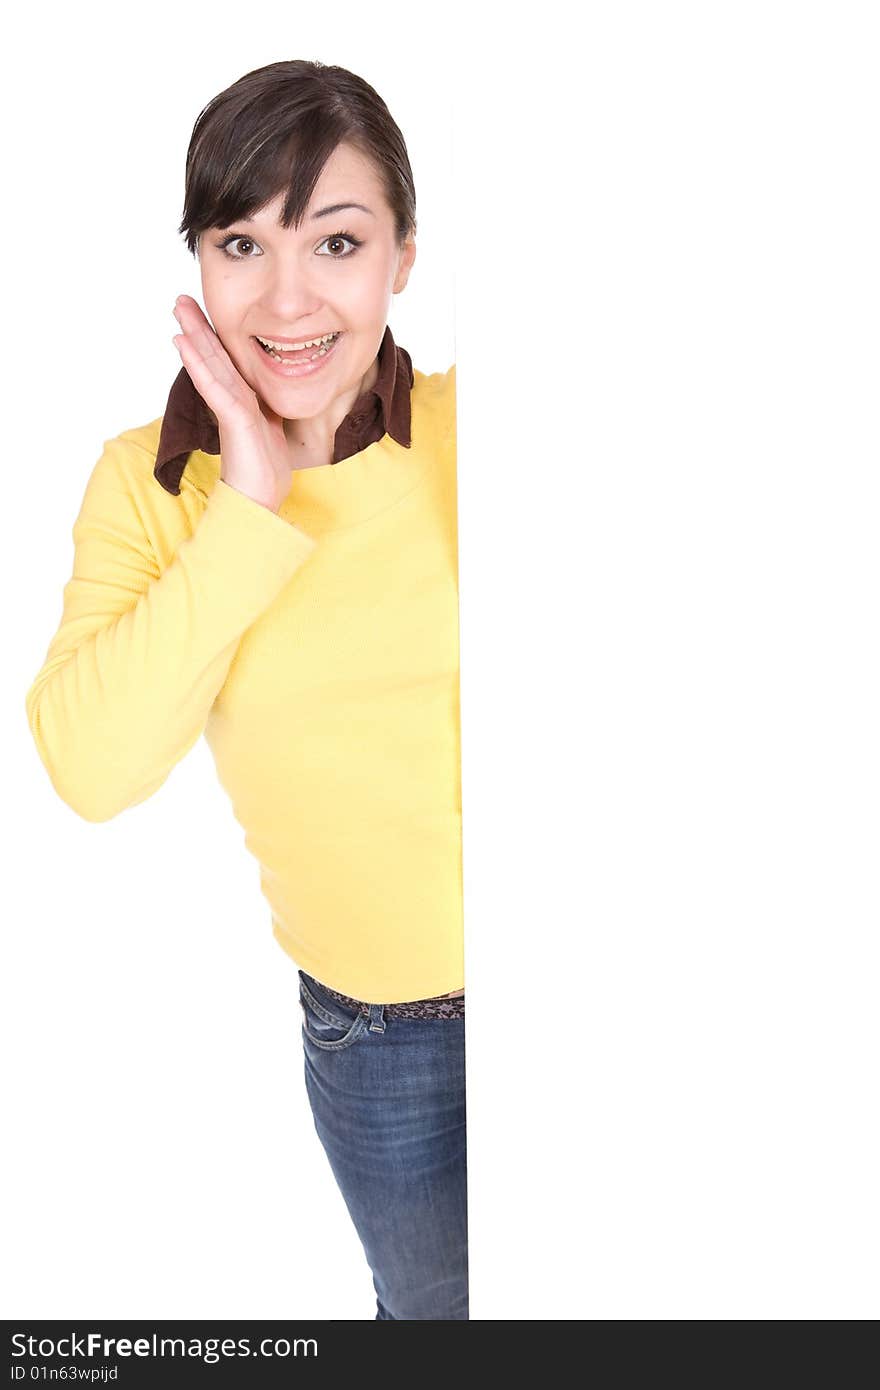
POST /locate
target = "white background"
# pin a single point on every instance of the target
(663, 229)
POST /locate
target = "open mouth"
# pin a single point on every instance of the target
(303, 356)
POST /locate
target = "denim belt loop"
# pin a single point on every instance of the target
(377, 1018)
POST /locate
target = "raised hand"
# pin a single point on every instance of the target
(254, 453)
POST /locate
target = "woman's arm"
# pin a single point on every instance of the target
(139, 656)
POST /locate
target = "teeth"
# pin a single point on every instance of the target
(298, 347)
(322, 352)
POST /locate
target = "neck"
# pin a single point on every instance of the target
(311, 441)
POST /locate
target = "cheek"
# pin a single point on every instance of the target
(223, 301)
(242, 356)
(363, 299)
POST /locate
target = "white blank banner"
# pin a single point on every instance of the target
(667, 308)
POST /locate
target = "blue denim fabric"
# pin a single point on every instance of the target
(388, 1101)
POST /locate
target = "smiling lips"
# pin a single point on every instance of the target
(303, 362)
(309, 351)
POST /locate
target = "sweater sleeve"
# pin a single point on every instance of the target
(139, 656)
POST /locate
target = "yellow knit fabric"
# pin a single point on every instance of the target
(318, 651)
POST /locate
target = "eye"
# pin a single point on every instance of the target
(338, 237)
(335, 240)
(228, 241)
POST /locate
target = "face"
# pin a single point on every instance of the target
(337, 273)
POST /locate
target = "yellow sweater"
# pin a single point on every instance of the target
(318, 651)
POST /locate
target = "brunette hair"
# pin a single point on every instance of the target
(273, 131)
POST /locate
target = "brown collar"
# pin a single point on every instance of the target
(189, 424)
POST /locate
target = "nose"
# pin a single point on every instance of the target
(290, 298)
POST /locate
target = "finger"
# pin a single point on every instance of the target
(190, 316)
(187, 304)
(194, 323)
(215, 359)
(189, 312)
(216, 393)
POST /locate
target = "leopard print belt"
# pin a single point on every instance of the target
(438, 1007)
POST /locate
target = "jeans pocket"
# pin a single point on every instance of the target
(329, 1029)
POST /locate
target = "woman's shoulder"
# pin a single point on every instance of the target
(434, 393)
(123, 479)
(128, 456)
(437, 382)
(143, 439)
(134, 453)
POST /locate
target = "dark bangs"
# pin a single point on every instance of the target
(273, 131)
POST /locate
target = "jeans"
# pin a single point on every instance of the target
(388, 1100)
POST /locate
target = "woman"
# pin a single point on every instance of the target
(273, 562)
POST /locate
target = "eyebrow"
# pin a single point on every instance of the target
(339, 207)
(322, 212)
